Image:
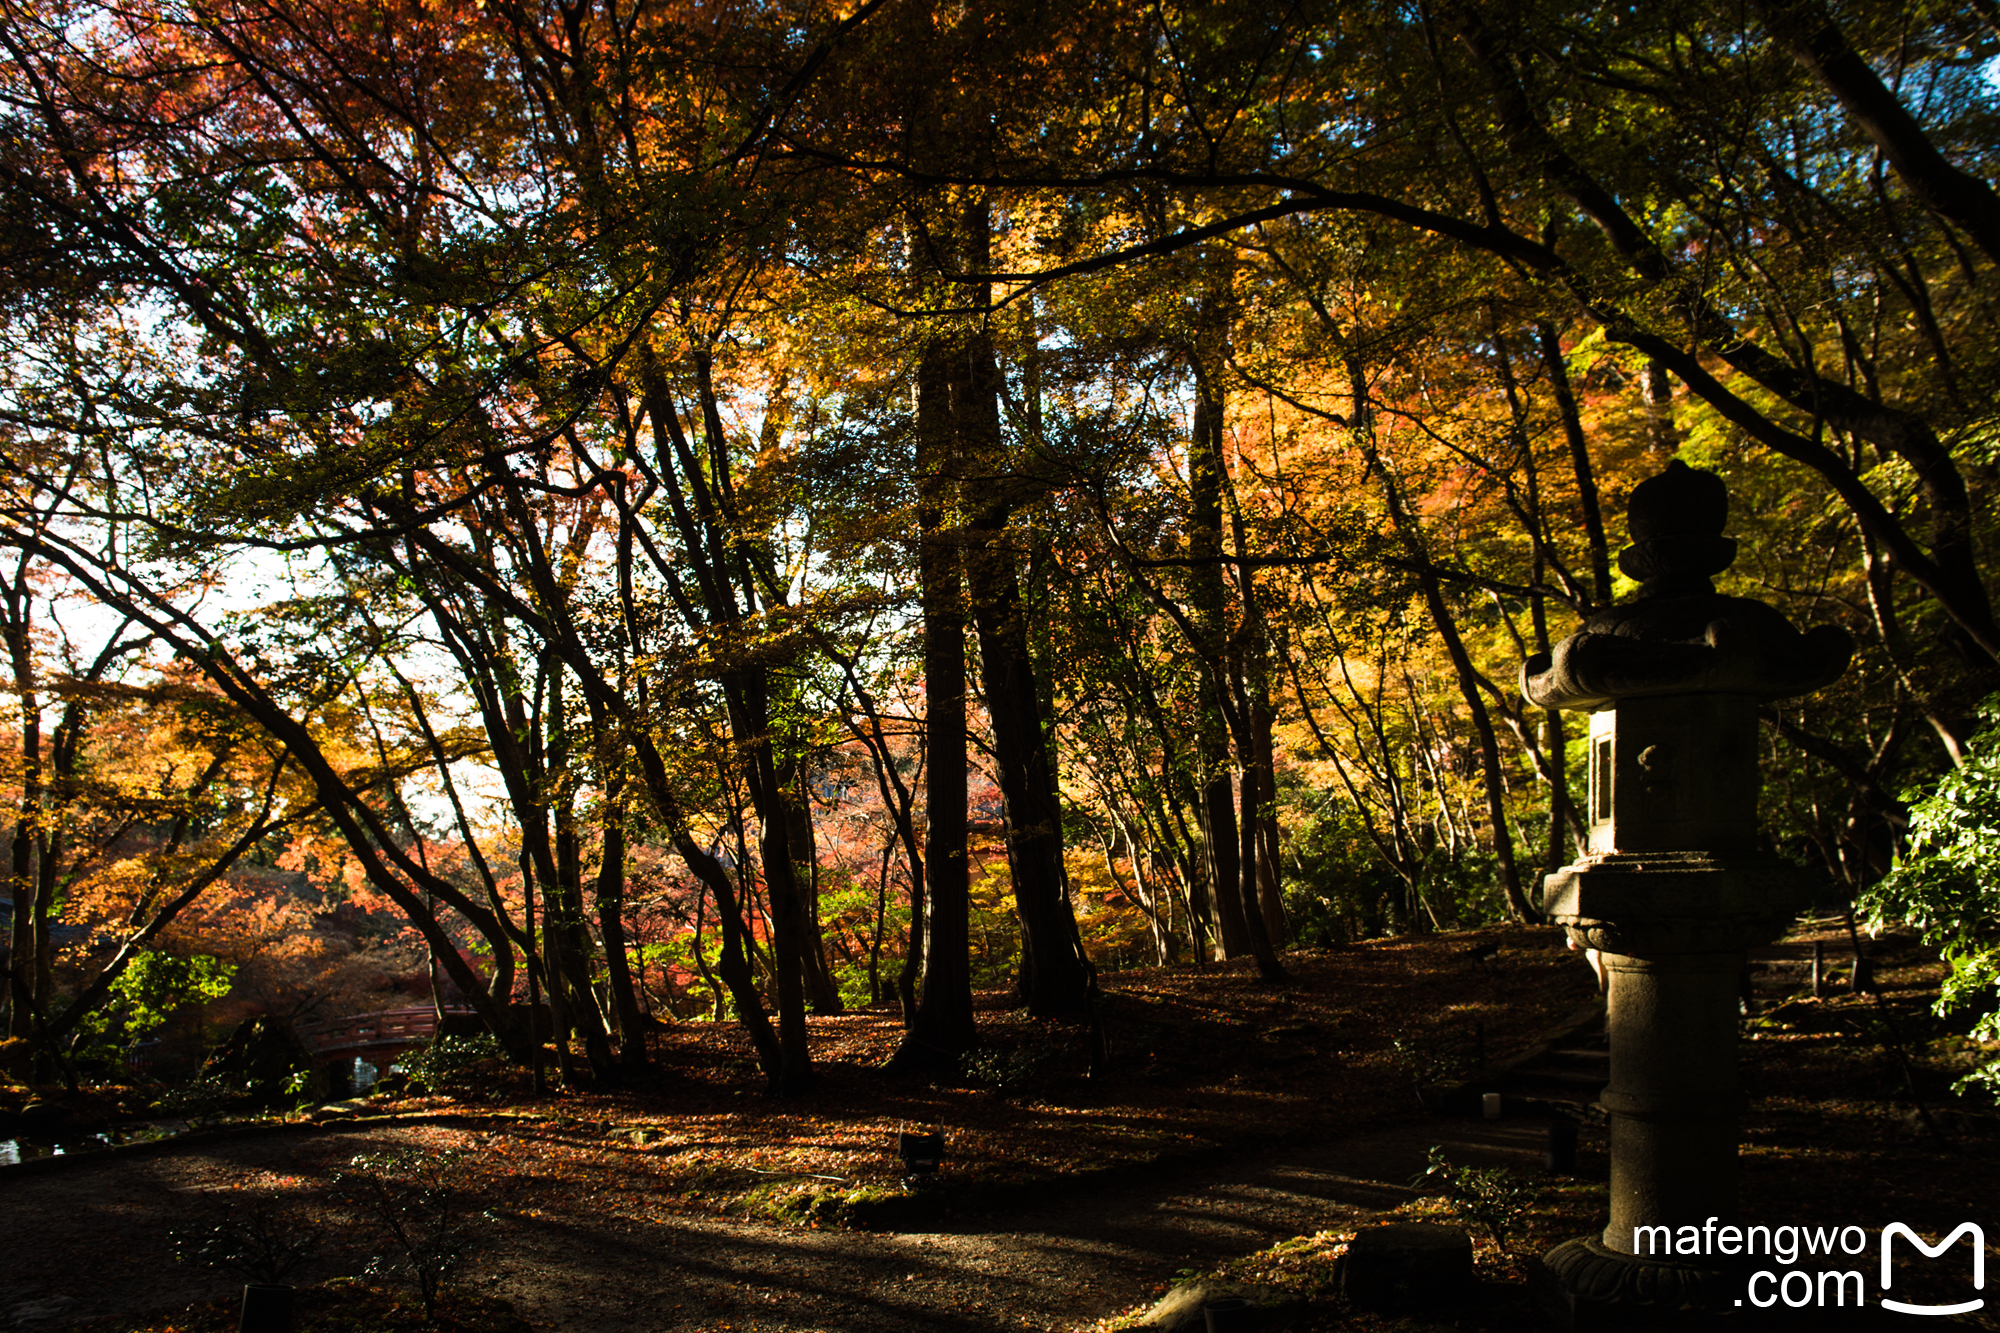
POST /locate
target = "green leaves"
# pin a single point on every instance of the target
(147, 993)
(1945, 886)
(1491, 1198)
(450, 1063)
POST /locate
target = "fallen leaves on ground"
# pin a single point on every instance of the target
(1201, 1059)
(1849, 1121)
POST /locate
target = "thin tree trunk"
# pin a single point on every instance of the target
(750, 717)
(1482, 723)
(1579, 456)
(717, 1005)
(1554, 760)
(897, 799)
(632, 1025)
(1177, 797)
(822, 991)
(1270, 892)
(1250, 819)
(881, 919)
(544, 979)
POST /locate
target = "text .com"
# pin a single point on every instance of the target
(1798, 1288)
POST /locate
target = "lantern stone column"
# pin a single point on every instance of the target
(1673, 890)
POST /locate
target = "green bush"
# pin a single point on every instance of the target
(816, 1203)
(449, 1063)
(1491, 1198)
(1945, 886)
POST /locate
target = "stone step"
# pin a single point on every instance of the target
(1567, 1073)
(1551, 1088)
(1572, 1073)
(1579, 1077)
(1578, 1055)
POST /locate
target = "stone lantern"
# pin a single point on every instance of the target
(1673, 890)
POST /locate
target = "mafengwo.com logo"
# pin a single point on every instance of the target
(1818, 1287)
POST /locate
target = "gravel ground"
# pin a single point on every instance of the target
(585, 1246)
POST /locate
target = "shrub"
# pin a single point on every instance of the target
(1002, 1070)
(203, 1098)
(263, 1244)
(449, 1062)
(1491, 1198)
(429, 1228)
(1944, 885)
(1428, 1060)
(813, 1203)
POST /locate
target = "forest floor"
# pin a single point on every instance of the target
(1242, 1133)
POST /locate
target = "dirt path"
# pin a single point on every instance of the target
(587, 1243)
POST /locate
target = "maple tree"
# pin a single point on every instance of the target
(530, 450)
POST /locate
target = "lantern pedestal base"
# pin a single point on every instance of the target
(1583, 1286)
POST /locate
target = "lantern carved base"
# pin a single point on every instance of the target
(1582, 1285)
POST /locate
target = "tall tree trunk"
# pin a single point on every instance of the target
(30, 926)
(1208, 596)
(1055, 977)
(564, 913)
(1264, 913)
(1270, 890)
(944, 1028)
(544, 972)
(630, 1018)
(750, 717)
(1256, 927)
(787, 956)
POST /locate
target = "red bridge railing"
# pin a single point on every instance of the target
(386, 1029)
